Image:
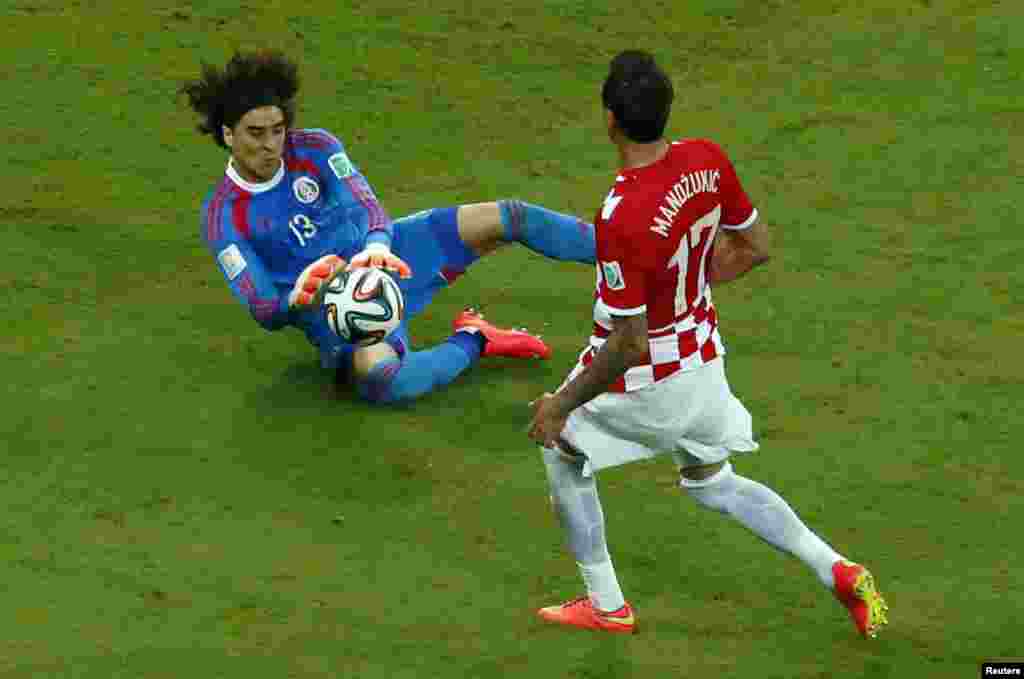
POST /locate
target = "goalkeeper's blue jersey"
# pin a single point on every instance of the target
(264, 235)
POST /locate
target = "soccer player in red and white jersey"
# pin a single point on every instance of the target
(652, 377)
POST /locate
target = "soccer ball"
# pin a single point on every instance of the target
(363, 306)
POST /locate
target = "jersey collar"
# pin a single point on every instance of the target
(631, 172)
(251, 187)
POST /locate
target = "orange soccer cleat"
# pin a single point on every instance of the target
(581, 613)
(500, 342)
(855, 589)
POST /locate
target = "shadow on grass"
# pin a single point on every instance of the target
(304, 385)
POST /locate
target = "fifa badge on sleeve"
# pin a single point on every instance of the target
(613, 275)
(232, 261)
(341, 165)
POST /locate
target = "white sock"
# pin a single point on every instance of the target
(602, 585)
(579, 510)
(761, 510)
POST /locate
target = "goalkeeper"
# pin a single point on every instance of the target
(292, 209)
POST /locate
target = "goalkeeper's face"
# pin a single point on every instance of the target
(257, 142)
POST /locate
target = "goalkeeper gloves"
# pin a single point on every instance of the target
(379, 256)
(313, 279)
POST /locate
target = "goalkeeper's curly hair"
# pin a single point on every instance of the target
(249, 80)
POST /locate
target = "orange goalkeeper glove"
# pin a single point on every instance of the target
(312, 279)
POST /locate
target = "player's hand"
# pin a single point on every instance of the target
(548, 420)
(378, 255)
(312, 280)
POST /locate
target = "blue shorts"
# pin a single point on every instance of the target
(429, 243)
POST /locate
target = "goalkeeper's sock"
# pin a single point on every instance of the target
(471, 341)
(549, 233)
(417, 373)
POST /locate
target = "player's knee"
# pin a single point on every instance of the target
(564, 470)
(564, 459)
(713, 491)
(481, 227)
(380, 386)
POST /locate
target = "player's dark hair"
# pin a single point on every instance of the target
(639, 93)
(249, 80)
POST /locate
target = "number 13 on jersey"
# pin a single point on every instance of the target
(303, 227)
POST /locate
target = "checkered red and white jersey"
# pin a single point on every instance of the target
(654, 239)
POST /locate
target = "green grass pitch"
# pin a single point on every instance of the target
(185, 495)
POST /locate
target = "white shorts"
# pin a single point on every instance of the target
(691, 415)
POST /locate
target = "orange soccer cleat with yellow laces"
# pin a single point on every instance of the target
(855, 589)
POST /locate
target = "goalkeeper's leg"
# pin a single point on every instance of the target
(486, 226)
(383, 376)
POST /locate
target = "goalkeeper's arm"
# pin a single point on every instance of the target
(252, 285)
